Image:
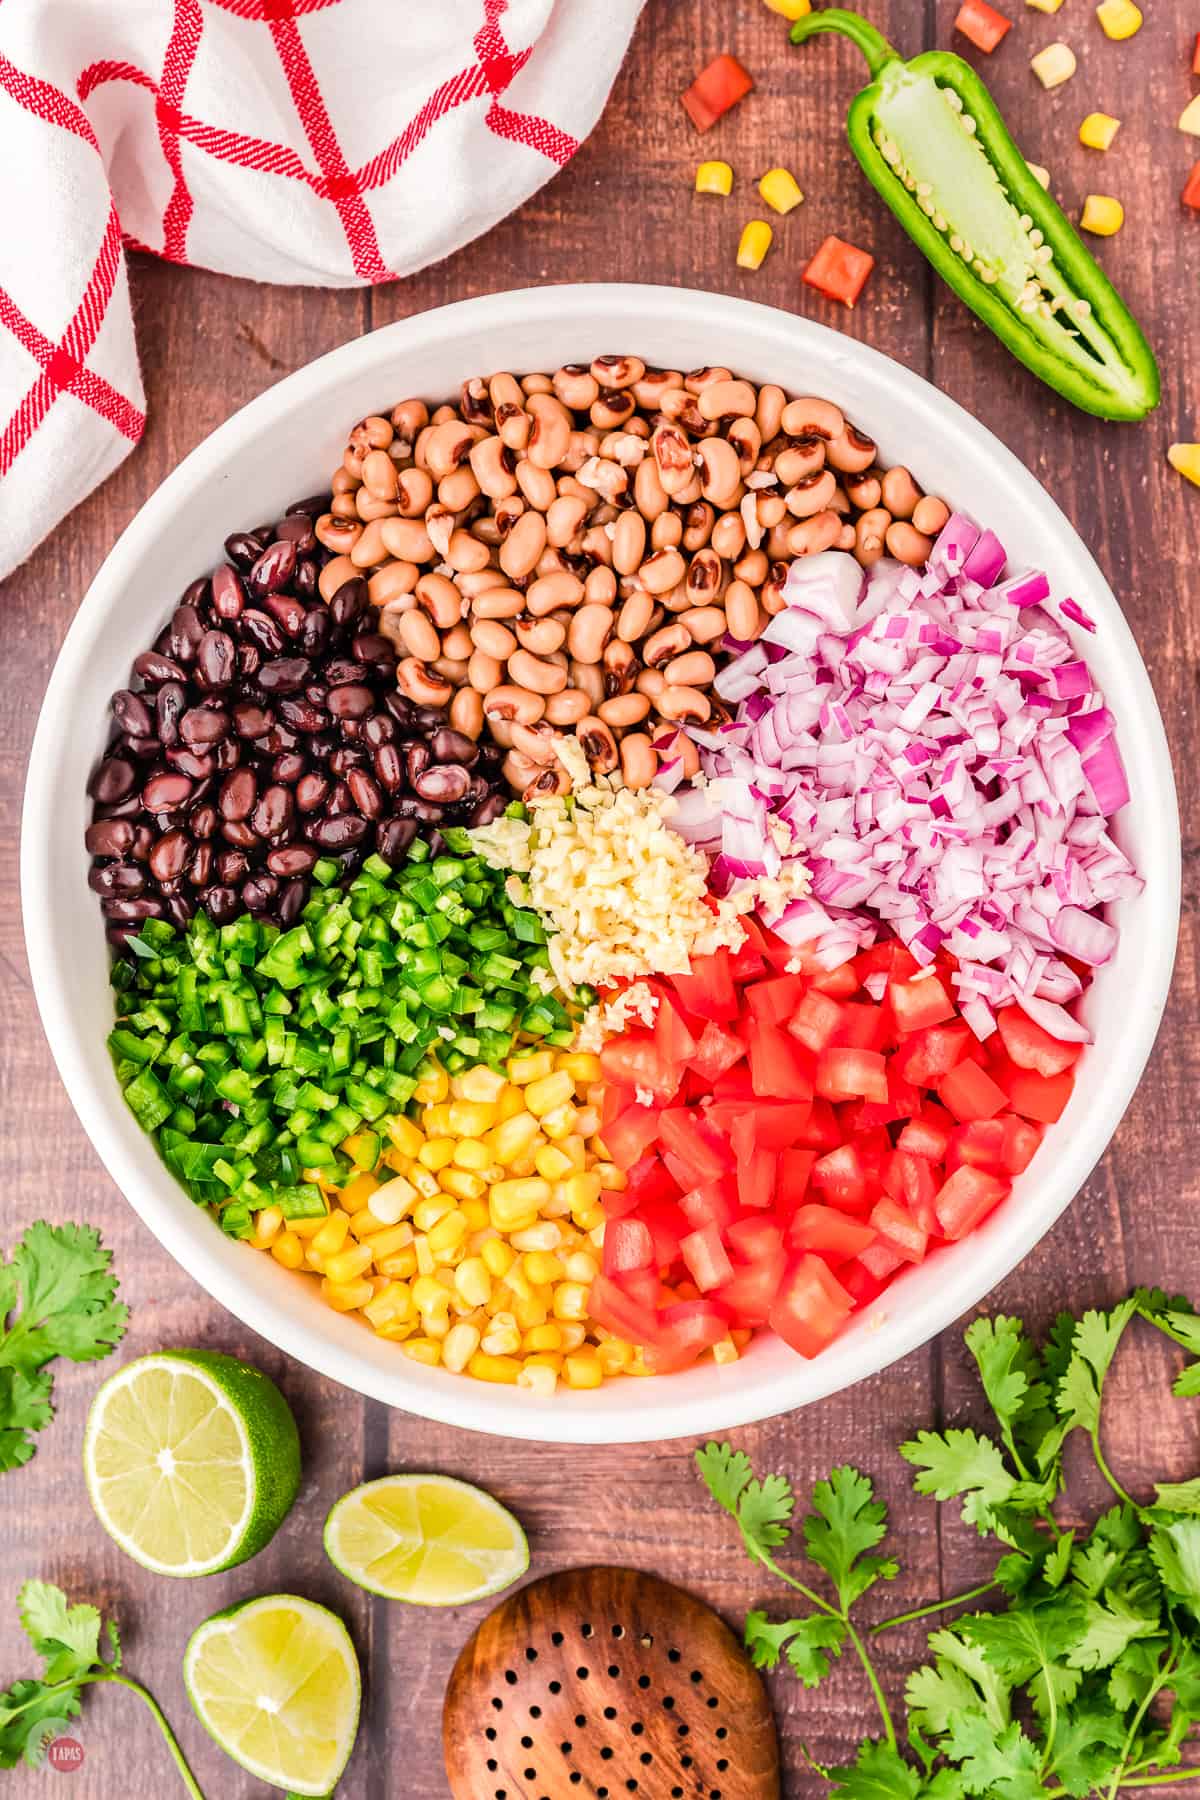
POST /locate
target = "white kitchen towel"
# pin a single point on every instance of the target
(332, 142)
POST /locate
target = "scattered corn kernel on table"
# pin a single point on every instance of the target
(625, 208)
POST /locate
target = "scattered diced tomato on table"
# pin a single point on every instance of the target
(981, 24)
(794, 1138)
(716, 88)
(839, 270)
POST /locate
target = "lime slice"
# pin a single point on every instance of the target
(426, 1539)
(191, 1459)
(276, 1683)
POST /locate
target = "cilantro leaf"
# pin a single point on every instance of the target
(1013, 1381)
(807, 1643)
(1003, 1765)
(1178, 1496)
(725, 1472)
(1176, 1552)
(961, 1680)
(961, 1463)
(1093, 1346)
(59, 1276)
(1109, 1626)
(880, 1773)
(848, 1521)
(1134, 1672)
(68, 1637)
(1087, 1747)
(762, 1509)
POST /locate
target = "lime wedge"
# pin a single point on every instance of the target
(427, 1539)
(191, 1459)
(275, 1682)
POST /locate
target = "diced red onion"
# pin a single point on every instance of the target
(1054, 1019)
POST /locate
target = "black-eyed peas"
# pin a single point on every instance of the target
(581, 548)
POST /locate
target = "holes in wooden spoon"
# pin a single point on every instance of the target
(510, 1675)
(618, 1631)
(556, 1638)
(673, 1656)
(586, 1630)
(614, 1672)
(531, 1655)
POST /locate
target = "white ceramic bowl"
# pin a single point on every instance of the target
(283, 444)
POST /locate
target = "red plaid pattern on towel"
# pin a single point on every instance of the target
(331, 142)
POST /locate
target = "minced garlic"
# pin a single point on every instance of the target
(625, 894)
(609, 1018)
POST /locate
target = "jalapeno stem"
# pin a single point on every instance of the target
(860, 31)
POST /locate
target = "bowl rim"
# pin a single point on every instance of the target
(726, 1404)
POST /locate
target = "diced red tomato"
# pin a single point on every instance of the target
(839, 270)
(777, 1124)
(1032, 1048)
(755, 1240)
(1191, 187)
(899, 1230)
(750, 1294)
(631, 1134)
(756, 1178)
(811, 1306)
(777, 1067)
(716, 1051)
(918, 1004)
(912, 1184)
(927, 1134)
(734, 1088)
(970, 1093)
(792, 1177)
(708, 990)
(815, 1020)
(862, 1027)
(821, 1132)
(627, 1245)
(714, 1204)
(671, 1034)
(841, 1177)
(611, 1307)
(981, 24)
(636, 1060)
(888, 957)
(966, 1198)
(1021, 1140)
(829, 1232)
(706, 1257)
(1039, 1097)
(881, 1261)
(840, 983)
(775, 1000)
(749, 960)
(716, 88)
(928, 1055)
(981, 1143)
(843, 1074)
(859, 1283)
(684, 1331)
(693, 1150)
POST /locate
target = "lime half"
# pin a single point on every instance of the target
(192, 1460)
(427, 1539)
(276, 1683)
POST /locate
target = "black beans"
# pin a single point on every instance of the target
(261, 731)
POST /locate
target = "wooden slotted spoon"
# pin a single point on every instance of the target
(605, 1684)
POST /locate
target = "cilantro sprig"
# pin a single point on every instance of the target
(38, 1709)
(1085, 1679)
(57, 1298)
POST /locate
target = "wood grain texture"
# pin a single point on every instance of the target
(602, 1682)
(624, 210)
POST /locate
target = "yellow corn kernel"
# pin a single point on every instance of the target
(552, 1162)
(791, 9)
(357, 1193)
(459, 1346)
(463, 1184)
(447, 1235)
(348, 1265)
(1054, 65)
(423, 1350)
(780, 190)
(531, 1065)
(314, 1260)
(393, 1305)
(538, 1378)
(1189, 118)
(534, 1310)
(1044, 6)
(424, 1180)
(429, 1294)
(476, 1213)
(511, 1202)
(510, 1103)
(615, 1355)
(1098, 130)
(306, 1228)
(583, 1066)
(435, 1120)
(436, 1154)
(576, 1149)
(579, 1266)
(332, 1235)
(543, 1337)
(570, 1300)
(611, 1178)
(404, 1135)
(391, 1239)
(497, 1258)
(725, 1351)
(542, 1268)
(714, 178)
(346, 1296)
(267, 1226)
(494, 1368)
(587, 1121)
(425, 1258)
(472, 1281)
(513, 1137)
(754, 243)
(1040, 175)
(364, 1224)
(1185, 458)
(1119, 19)
(582, 1370)
(433, 1086)
(1102, 215)
(481, 1083)
(580, 1190)
(288, 1250)
(551, 1091)
(426, 1213)
(545, 1359)
(400, 1264)
(472, 1154)
(392, 1199)
(560, 1122)
(545, 1235)
(471, 1118)
(502, 1337)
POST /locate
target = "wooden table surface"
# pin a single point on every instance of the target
(623, 210)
